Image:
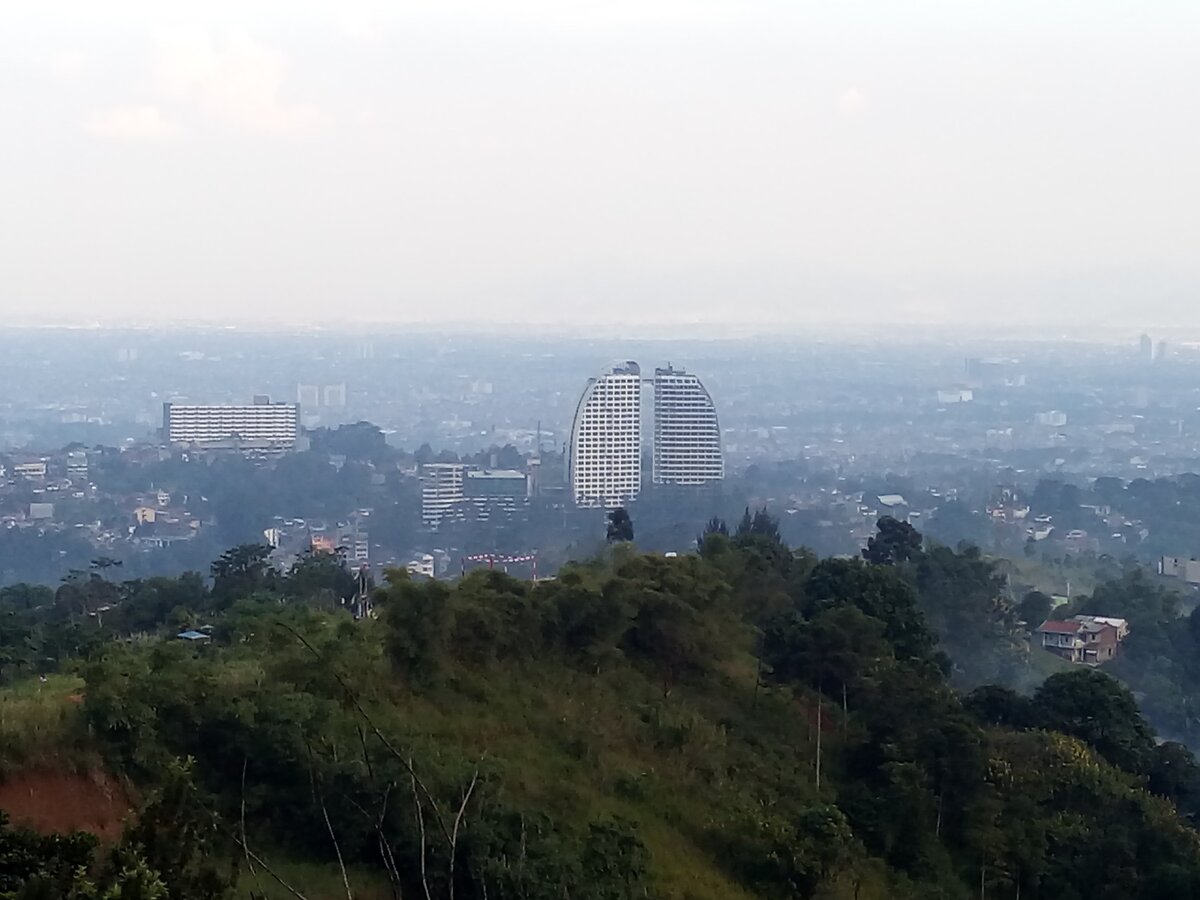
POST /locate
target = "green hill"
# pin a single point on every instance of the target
(747, 723)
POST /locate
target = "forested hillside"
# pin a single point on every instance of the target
(748, 722)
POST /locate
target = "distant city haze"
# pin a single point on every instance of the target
(630, 164)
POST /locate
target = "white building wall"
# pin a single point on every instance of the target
(441, 490)
(275, 424)
(687, 433)
(606, 439)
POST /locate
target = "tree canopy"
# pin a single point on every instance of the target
(747, 721)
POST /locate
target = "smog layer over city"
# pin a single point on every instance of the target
(526, 451)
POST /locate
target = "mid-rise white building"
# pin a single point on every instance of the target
(441, 491)
(1054, 418)
(261, 424)
(492, 493)
(687, 434)
(308, 396)
(334, 396)
(77, 464)
(31, 468)
(424, 565)
(604, 456)
(317, 396)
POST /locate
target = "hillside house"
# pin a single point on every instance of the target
(1087, 640)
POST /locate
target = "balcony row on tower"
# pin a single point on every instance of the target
(604, 457)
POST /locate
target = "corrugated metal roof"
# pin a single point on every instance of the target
(1053, 627)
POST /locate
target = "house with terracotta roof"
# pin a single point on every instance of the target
(1088, 640)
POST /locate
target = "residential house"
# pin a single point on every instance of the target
(160, 535)
(423, 564)
(1121, 625)
(1088, 640)
(1039, 532)
(1180, 567)
(1079, 541)
(30, 468)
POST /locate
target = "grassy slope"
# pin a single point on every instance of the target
(317, 881)
(584, 748)
(1044, 663)
(38, 725)
(578, 746)
(1049, 578)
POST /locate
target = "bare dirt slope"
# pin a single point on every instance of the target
(55, 801)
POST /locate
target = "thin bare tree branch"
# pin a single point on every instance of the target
(462, 809)
(421, 829)
(266, 868)
(385, 849)
(362, 740)
(246, 849)
(336, 846)
(389, 863)
(407, 763)
(421, 794)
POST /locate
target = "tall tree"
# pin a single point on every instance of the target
(1034, 608)
(241, 572)
(620, 526)
(894, 542)
(1096, 708)
(715, 525)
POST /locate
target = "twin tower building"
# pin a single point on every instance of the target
(604, 457)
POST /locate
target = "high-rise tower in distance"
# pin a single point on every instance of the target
(604, 456)
(687, 434)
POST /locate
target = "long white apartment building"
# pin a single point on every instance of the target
(262, 424)
(604, 456)
(687, 433)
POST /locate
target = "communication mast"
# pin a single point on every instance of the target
(360, 604)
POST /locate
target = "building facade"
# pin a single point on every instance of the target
(687, 433)
(604, 455)
(262, 424)
(455, 492)
(495, 494)
(1089, 640)
(441, 491)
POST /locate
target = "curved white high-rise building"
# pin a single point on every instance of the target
(687, 435)
(605, 464)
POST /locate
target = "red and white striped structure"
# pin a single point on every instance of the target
(492, 559)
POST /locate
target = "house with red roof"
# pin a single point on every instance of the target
(1088, 640)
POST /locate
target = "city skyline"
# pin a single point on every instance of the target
(694, 449)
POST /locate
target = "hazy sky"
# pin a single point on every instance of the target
(555, 161)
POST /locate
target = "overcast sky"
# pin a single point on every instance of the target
(652, 161)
